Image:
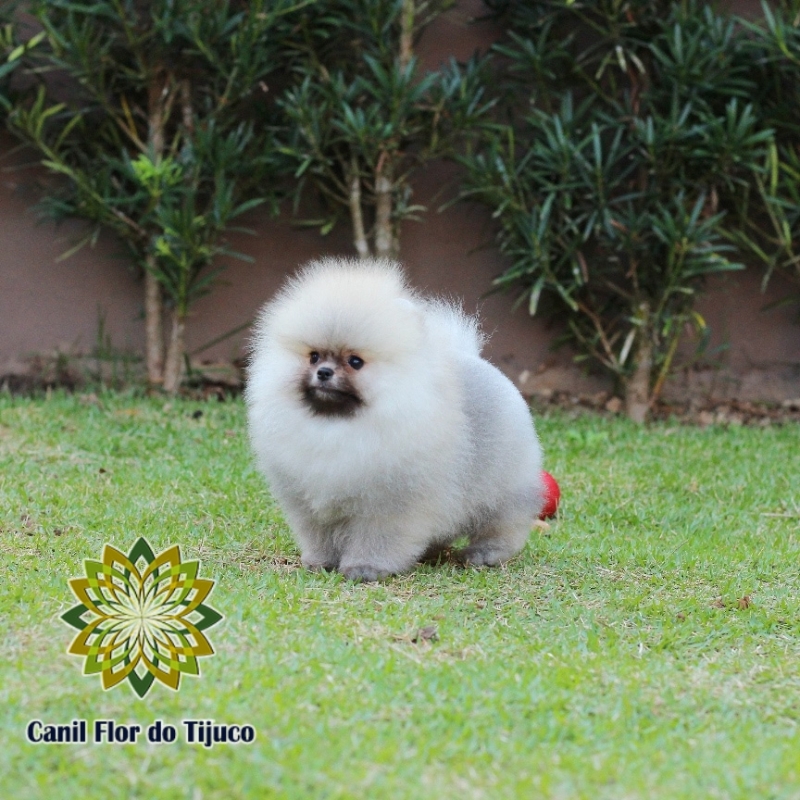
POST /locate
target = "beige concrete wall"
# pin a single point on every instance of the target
(46, 304)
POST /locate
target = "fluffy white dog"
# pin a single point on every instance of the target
(382, 432)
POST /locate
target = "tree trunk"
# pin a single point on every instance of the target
(153, 301)
(173, 368)
(385, 243)
(637, 387)
(154, 331)
(356, 212)
(407, 32)
(158, 99)
(176, 348)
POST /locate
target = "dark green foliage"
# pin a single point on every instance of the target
(632, 136)
(625, 147)
(164, 128)
(186, 170)
(362, 116)
(14, 48)
(771, 214)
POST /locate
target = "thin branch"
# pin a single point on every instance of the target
(600, 331)
(356, 213)
(384, 236)
(407, 33)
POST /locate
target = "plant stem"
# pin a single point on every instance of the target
(154, 333)
(153, 303)
(356, 212)
(407, 33)
(156, 106)
(384, 235)
(637, 386)
(665, 370)
(173, 368)
(176, 349)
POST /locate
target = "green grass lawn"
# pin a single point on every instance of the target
(646, 646)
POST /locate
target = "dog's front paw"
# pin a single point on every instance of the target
(364, 572)
(318, 564)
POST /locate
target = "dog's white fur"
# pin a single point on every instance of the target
(441, 445)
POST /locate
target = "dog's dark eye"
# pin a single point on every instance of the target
(314, 357)
(355, 362)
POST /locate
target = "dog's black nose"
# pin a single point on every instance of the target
(324, 373)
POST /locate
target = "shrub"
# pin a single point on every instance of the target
(771, 213)
(362, 117)
(632, 134)
(155, 135)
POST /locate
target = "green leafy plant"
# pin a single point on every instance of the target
(363, 117)
(631, 138)
(14, 52)
(771, 212)
(156, 135)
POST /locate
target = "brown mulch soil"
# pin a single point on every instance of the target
(694, 412)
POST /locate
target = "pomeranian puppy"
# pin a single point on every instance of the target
(381, 431)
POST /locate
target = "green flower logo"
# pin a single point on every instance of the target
(141, 617)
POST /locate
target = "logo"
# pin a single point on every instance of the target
(141, 617)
